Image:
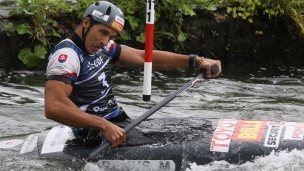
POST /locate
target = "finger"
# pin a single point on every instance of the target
(118, 138)
(124, 137)
(208, 71)
(115, 143)
(113, 139)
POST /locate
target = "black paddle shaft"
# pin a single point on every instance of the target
(137, 121)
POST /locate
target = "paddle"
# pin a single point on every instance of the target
(92, 155)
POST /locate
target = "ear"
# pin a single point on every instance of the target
(86, 22)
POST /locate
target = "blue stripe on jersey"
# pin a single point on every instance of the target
(112, 114)
(66, 43)
(112, 50)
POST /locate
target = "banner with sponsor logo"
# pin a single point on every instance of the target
(230, 132)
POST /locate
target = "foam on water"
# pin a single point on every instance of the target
(276, 161)
(22, 164)
(91, 167)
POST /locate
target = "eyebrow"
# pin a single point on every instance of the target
(107, 32)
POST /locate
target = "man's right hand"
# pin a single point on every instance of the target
(113, 133)
(60, 108)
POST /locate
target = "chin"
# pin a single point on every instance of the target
(91, 52)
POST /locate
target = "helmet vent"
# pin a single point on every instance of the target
(108, 11)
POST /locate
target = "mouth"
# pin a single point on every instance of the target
(96, 48)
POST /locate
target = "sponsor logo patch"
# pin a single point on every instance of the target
(100, 15)
(62, 58)
(222, 135)
(116, 25)
(120, 20)
(273, 134)
(248, 130)
(294, 131)
(97, 62)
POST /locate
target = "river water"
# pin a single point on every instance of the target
(5, 7)
(273, 93)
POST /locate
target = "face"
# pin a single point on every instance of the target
(98, 36)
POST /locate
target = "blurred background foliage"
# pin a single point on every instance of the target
(48, 21)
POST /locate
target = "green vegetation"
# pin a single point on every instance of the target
(247, 9)
(40, 30)
(295, 10)
(46, 20)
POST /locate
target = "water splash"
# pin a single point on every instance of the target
(276, 161)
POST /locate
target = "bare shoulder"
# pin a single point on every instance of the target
(122, 61)
(124, 46)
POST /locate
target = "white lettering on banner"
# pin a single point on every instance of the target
(143, 165)
(273, 134)
(222, 135)
(56, 139)
(294, 131)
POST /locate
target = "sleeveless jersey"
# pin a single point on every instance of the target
(88, 74)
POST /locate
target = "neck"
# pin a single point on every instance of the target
(78, 39)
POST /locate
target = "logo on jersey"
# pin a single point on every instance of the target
(62, 58)
(96, 63)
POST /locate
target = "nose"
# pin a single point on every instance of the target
(104, 41)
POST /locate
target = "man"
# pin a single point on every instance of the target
(78, 90)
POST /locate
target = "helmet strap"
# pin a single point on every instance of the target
(85, 32)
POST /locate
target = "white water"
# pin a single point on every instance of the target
(258, 95)
(281, 161)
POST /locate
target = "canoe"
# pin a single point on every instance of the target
(167, 143)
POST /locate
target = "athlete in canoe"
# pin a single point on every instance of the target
(78, 90)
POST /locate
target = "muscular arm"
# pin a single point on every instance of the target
(163, 60)
(60, 108)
